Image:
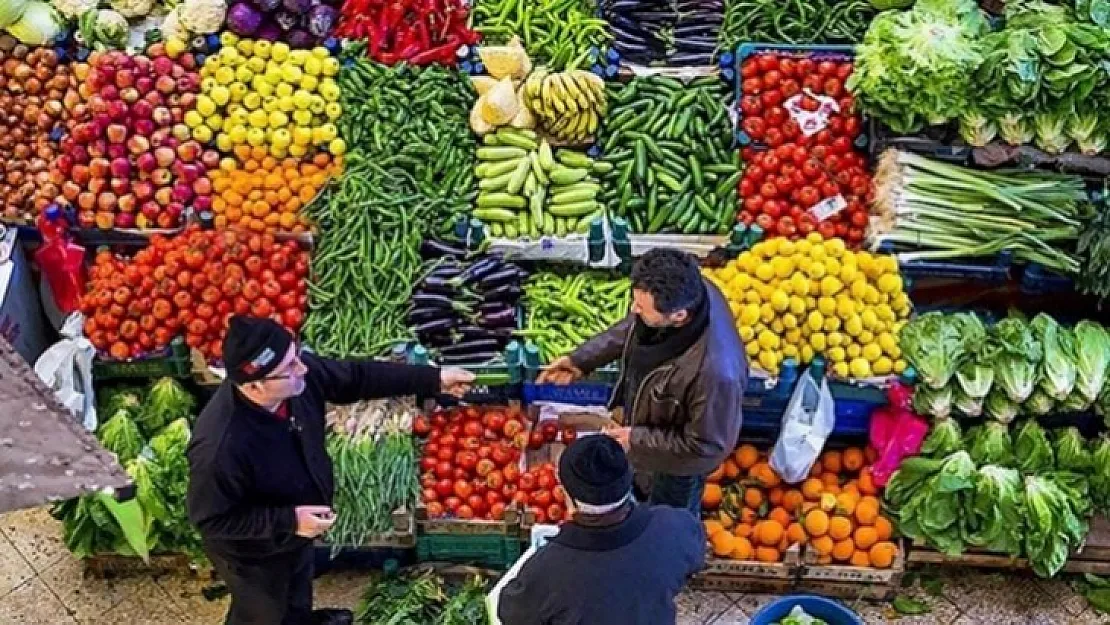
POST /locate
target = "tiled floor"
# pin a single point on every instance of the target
(41, 584)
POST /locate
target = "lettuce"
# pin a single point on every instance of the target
(934, 512)
(1031, 448)
(999, 407)
(1017, 357)
(1055, 520)
(1100, 474)
(935, 345)
(114, 399)
(1057, 368)
(1039, 404)
(997, 510)
(975, 379)
(1092, 358)
(991, 444)
(966, 405)
(1015, 128)
(936, 403)
(944, 438)
(1072, 453)
(121, 436)
(976, 128)
(167, 400)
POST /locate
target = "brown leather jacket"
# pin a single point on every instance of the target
(686, 414)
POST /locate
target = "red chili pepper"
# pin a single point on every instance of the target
(387, 58)
(422, 36)
(444, 54)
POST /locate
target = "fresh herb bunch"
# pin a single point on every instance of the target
(421, 598)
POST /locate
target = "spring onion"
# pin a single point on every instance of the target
(943, 211)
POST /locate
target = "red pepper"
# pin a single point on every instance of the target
(409, 51)
(444, 54)
(387, 58)
(422, 36)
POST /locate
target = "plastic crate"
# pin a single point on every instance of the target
(817, 52)
(495, 552)
(941, 143)
(495, 383)
(174, 363)
(1037, 280)
(996, 271)
(594, 390)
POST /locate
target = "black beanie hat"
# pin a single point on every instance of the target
(253, 348)
(594, 470)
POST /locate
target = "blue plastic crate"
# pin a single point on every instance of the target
(817, 52)
(938, 143)
(996, 271)
(828, 610)
(1037, 280)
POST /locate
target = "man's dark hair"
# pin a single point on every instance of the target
(672, 277)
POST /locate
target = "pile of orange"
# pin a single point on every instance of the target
(751, 515)
(261, 193)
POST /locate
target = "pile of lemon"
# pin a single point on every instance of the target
(800, 299)
(265, 94)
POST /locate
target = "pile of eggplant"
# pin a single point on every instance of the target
(674, 32)
(465, 310)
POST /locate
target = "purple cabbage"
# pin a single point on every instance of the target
(243, 19)
(267, 6)
(286, 20)
(298, 7)
(321, 19)
(269, 31)
(301, 39)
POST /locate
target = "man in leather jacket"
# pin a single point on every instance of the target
(683, 373)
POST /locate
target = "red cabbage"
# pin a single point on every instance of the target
(267, 6)
(243, 19)
(321, 19)
(269, 31)
(299, 7)
(286, 20)
(300, 39)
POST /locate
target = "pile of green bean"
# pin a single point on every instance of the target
(373, 477)
(794, 21)
(562, 312)
(557, 33)
(410, 170)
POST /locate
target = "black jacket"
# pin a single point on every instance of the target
(248, 469)
(628, 574)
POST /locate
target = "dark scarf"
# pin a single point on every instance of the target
(651, 347)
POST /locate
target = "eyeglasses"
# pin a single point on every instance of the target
(295, 364)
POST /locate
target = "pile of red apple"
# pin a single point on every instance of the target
(470, 465)
(129, 161)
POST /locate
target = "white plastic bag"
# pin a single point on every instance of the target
(66, 367)
(809, 419)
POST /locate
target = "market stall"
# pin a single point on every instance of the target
(903, 204)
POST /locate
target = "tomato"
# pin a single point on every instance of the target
(772, 209)
(789, 89)
(429, 494)
(477, 502)
(473, 428)
(466, 459)
(464, 512)
(788, 67)
(754, 126)
(448, 440)
(435, 510)
(428, 464)
(493, 497)
(771, 79)
(844, 71)
(497, 511)
(545, 481)
(559, 494)
(855, 235)
(421, 426)
(841, 229)
(751, 85)
(484, 452)
(555, 513)
(527, 482)
(768, 62)
(774, 137)
(521, 498)
(463, 488)
(852, 127)
(471, 443)
(751, 106)
(511, 473)
(444, 487)
(484, 467)
(829, 189)
(501, 455)
(833, 88)
(542, 498)
(452, 503)
(444, 470)
(766, 222)
(841, 145)
(772, 98)
(786, 227)
(550, 430)
(288, 280)
(858, 219)
(495, 479)
(827, 68)
(812, 84)
(749, 69)
(460, 473)
(494, 420)
(569, 435)
(512, 428)
(827, 229)
(535, 440)
(446, 454)
(805, 67)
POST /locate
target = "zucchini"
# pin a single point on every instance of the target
(500, 200)
(494, 216)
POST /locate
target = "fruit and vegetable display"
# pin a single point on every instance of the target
(811, 177)
(668, 33)
(795, 22)
(374, 458)
(465, 309)
(470, 465)
(417, 33)
(814, 297)
(751, 514)
(189, 285)
(148, 429)
(297, 23)
(265, 194)
(39, 97)
(130, 160)
(563, 311)
(1013, 367)
(1025, 493)
(31, 22)
(670, 148)
(527, 189)
(422, 597)
(557, 33)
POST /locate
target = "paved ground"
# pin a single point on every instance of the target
(41, 584)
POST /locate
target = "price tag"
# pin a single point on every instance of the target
(547, 244)
(811, 122)
(828, 207)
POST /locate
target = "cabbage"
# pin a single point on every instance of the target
(1017, 357)
(1000, 408)
(1032, 449)
(1071, 451)
(121, 436)
(936, 403)
(934, 512)
(1057, 368)
(167, 400)
(990, 444)
(996, 519)
(1092, 358)
(104, 29)
(966, 405)
(11, 11)
(1039, 404)
(944, 438)
(39, 25)
(1055, 521)
(975, 379)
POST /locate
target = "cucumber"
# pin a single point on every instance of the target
(565, 176)
(495, 230)
(500, 200)
(519, 176)
(495, 184)
(500, 153)
(578, 209)
(494, 216)
(548, 223)
(517, 141)
(573, 197)
(496, 168)
(571, 158)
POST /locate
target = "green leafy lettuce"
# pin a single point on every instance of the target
(1000, 407)
(936, 345)
(121, 436)
(1100, 474)
(1057, 368)
(167, 400)
(991, 444)
(1031, 448)
(933, 402)
(1017, 356)
(1072, 453)
(934, 512)
(996, 519)
(1038, 404)
(1092, 355)
(1056, 522)
(944, 438)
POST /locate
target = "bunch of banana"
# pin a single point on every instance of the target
(569, 105)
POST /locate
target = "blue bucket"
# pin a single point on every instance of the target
(832, 612)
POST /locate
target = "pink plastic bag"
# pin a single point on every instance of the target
(896, 432)
(62, 262)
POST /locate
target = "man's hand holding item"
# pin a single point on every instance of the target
(312, 521)
(455, 382)
(622, 435)
(562, 371)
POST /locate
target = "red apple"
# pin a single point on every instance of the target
(146, 162)
(165, 156)
(138, 144)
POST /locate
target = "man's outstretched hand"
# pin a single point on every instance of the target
(562, 371)
(455, 382)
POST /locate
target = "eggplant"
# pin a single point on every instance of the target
(500, 319)
(421, 315)
(472, 358)
(432, 248)
(433, 300)
(507, 275)
(489, 308)
(479, 270)
(470, 346)
(437, 325)
(435, 284)
(504, 293)
(697, 45)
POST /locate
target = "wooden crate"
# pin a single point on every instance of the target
(110, 565)
(750, 577)
(509, 526)
(851, 582)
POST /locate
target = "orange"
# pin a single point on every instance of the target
(871, 454)
(742, 530)
(823, 545)
(840, 528)
(796, 534)
(712, 528)
(867, 511)
(824, 560)
(775, 496)
(747, 515)
(746, 456)
(842, 551)
(852, 489)
(258, 152)
(865, 537)
(742, 549)
(765, 475)
(883, 554)
(767, 554)
(288, 220)
(812, 488)
(867, 483)
(831, 480)
(816, 523)
(732, 471)
(780, 516)
(845, 504)
(883, 528)
(711, 496)
(753, 498)
(769, 533)
(792, 501)
(832, 462)
(716, 475)
(816, 470)
(828, 502)
(853, 459)
(723, 544)
(860, 558)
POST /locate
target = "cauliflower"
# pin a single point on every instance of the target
(133, 8)
(73, 9)
(202, 16)
(104, 29)
(172, 27)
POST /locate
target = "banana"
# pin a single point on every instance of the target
(566, 87)
(552, 97)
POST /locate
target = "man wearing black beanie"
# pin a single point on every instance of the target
(260, 479)
(615, 562)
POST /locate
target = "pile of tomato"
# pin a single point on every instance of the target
(471, 465)
(189, 285)
(789, 174)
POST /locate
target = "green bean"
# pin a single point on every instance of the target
(794, 21)
(558, 33)
(564, 311)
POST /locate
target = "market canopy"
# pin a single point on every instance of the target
(45, 455)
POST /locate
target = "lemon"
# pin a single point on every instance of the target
(799, 284)
(749, 315)
(854, 350)
(815, 321)
(840, 370)
(797, 305)
(792, 336)
(256, 137)
(746, 333)
(225, 76)
(766, 313)
(224, 142)
(765, 272)
(888, 343)
(853, 325)
(818, 342)
(769, 361)
(845, 307)
(329, 90)
(330, 67)
(768, 340)
(269, 104)
(818, 254)
(203, 134)
(174, 48)
(734, 307)
(835, 339)
(215, 122)
(859, 368)
(259, 119)
(333, 111)
(228, 38)
(832, 324)
(273, 76)
(302, 118)
(302, 136)
(327, 132)
(835, 247)
(279, 51)
(229, 56)
(298, 57)
(256, 65)
(205, 105)
(780, 301)
(244, 74)
(219, 95)
(871, 352)
(790, 351)
(238, 134)
(783, 266)
(752, 297)
(831, 285)
(866, 337)
(207, 84)
(252, 100)
(826, 306)
(301, 98)
(752, 348)
(309, 82)
(899, 366)
(298, 150)
(278, 119)
(882, 366)
(835, 354)
(290, 73)
(832, 267)
(194, 119)
(890, 283)
(816, 271)
(789, 321)
(238, 92)
(848, 274)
